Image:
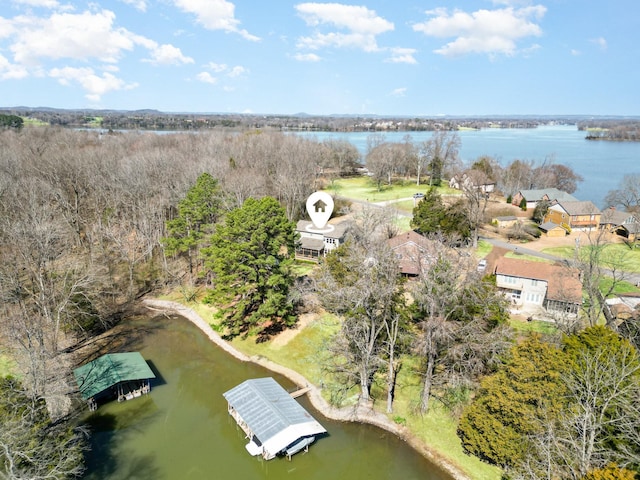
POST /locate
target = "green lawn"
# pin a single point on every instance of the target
(537, 326)
(620, 288)
(7, 366)
(614, 253)
(363, 188)
(300, 353)
(484, 248)
(33, 122)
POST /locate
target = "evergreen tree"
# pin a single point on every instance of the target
(512, 403)
(197, 213)
(432, 216)
(11, 121)
(429, 213)
(250, 257)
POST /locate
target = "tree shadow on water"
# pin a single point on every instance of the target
(106, 460)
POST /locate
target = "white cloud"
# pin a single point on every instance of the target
(10, 71)
(206, 77)
(361, 24)
(402, 55)
(307, 57)
(575, 52)
(237, 71)
(353, 18)
(600, 42)
(53, 45)
(483, 31)
(76, 36)
(225, 69)
(216, 67)
(137, 4)
(399, 92)
(95, 86)
(215, 15)
(38, 3)
(168, 55)
(84, 36)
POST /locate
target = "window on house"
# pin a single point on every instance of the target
(533, 297)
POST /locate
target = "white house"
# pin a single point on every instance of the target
(315, 243)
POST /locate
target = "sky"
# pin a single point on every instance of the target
(367, 57)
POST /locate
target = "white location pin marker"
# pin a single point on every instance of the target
(319, 208)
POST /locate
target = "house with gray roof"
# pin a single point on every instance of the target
(577, 215)
(621, 223)
(315, 243)
(533, 197)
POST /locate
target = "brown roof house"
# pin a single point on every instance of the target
(539, 287)
(412, 251)
(578, 215)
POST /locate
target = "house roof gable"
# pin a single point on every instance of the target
(536, 195)
(583, 207)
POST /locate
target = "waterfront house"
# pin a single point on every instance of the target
(273, 421)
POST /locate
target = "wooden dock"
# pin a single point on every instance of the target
(299, 393)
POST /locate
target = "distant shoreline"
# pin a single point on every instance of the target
(360, 414)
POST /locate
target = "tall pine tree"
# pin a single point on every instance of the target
(250, 257)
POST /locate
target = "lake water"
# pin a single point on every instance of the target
(602, 164)
(182, 429)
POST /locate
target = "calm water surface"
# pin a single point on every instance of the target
(602, 164)
(182, 430)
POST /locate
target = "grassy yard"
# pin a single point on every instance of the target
(534, 326)
(484, 249)
(363, 188)
(620, 288)
(615, 253)
(7, 366)
(301, 353)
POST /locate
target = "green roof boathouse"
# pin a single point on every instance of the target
(123, 376)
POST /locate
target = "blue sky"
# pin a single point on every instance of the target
(386, 57)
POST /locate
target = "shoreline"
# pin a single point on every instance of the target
(358, 413)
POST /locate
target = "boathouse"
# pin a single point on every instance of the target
(273, 421)
(122, 376)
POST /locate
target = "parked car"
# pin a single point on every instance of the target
(418, 195)
(482, 265)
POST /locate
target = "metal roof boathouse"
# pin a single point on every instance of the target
(120, 375)
(274, 422)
